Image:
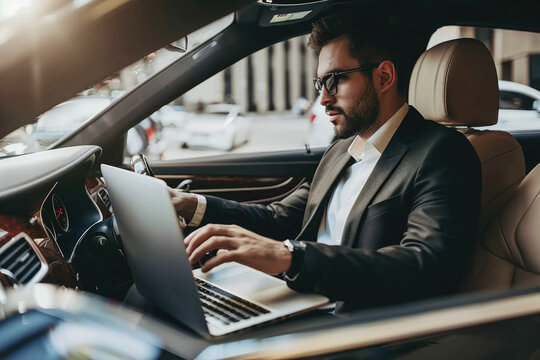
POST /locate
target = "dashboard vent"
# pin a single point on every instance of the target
(104, 195)
(20, 261)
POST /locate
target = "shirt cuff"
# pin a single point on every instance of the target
(199, 211)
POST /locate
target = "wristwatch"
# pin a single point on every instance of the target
(297, 249)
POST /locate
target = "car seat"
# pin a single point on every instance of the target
(507, 255)
(455, 84)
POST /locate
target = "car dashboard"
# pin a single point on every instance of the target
(56, 224)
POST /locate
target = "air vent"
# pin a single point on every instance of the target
(104, 195)
(19, 261)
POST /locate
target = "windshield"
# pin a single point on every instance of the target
(68, 116)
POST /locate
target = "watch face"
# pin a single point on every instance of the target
(289, 245)
(295, 245)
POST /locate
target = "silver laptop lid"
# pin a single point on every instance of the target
(154, 245)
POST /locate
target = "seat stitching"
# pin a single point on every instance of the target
(504, 238)
(422, 58)
(446, 77)
(519, 223)
(482, 266)
(500, 192)
(504, 153)
(505, 260)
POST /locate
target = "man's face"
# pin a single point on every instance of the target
(354, 109)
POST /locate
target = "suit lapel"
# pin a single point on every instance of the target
(384, 167)
(390, 158)
(322, 191)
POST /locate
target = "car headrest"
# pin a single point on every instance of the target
(455, 83)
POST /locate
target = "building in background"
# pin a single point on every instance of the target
(272, 79)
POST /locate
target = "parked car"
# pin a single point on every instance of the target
(518, 107)
(518, 111)
(66, 117)
(321, 131)
(55, 207)
(171, 116)
(217, 126)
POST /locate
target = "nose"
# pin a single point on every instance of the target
(326, 98)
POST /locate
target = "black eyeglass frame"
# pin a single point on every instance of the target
(320, 82)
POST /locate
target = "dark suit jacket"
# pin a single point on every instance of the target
(409, 234)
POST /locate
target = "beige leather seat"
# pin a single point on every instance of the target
(509, 253)
(455, 84)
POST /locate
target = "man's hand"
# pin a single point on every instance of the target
(185, 204)
(244, 247)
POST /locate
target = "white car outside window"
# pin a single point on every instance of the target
(518, 106)
(68, 116)
(218, 126)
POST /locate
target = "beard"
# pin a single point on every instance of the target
(362, 115)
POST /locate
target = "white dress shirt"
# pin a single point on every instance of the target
(352, 182)
(199, 211)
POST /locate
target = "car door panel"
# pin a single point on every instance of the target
(258, 177)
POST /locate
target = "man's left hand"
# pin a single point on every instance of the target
(243, 246)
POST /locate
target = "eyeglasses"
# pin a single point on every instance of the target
(329, 81)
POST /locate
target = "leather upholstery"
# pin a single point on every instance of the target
(503, 168)
(509, 254)
(455, 83)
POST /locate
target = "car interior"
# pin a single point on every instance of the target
(465, 96)
(57, 224)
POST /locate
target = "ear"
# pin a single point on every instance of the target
(385, 76)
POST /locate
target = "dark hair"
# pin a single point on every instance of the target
(371, 39)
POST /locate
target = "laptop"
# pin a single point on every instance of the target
(229, 298)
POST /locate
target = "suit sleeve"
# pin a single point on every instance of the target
(433, 251)
(279, 220)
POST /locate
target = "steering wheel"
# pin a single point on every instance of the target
(139, 165)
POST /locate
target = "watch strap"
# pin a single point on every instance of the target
(297, 249)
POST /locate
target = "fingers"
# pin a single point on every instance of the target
(213, 243)
(200, 235)
(220, 258)
(172, 193)
(212, 237)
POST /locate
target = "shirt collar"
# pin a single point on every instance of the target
(380, 139)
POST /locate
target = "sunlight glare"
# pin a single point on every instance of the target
(9, 8)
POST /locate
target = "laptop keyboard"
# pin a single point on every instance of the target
(223, 308)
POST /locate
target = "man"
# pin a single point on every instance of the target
(391, 212)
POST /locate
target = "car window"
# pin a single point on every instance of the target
(518, 70)
(274, 85)
(68, 116)
(261, 103)
(515, 101)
